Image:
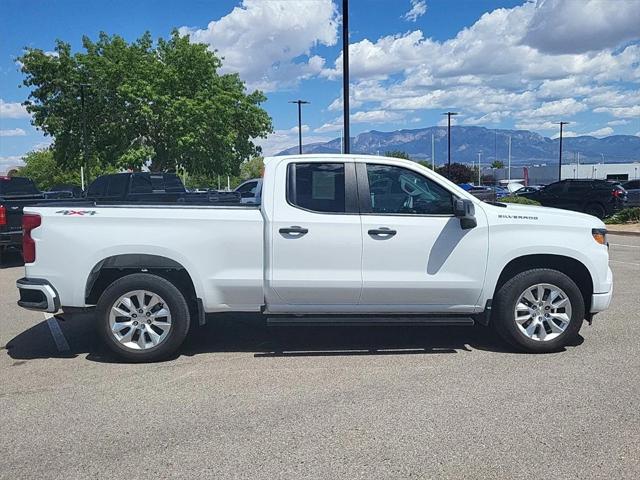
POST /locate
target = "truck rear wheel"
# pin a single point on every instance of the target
(143, 317)
(539, 310)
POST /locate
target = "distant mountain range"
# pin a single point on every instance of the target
(526, 147)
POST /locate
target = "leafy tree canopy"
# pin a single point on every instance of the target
(497, 164)
(163, 102)
(397, 154)
(459, 173)
(41, 167)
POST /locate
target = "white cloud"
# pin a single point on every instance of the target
(364, 116)
(264, 40)
(13, 132)
(418, 8)
(282, 139)
(12, 110)
(602, 132)
(613, 123)
(559, 108)
(375, 116)
(578, 26)
(489, 74)
(7, 163)
(334, 126)
(620, 112)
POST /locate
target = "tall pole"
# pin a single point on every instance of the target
(449, 115)
(433, 154)
(300, 103)
(85, 153)
(509, 159)
(562, 124)
(479, 179)
(345, 73)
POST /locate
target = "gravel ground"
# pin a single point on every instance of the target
(246, 401)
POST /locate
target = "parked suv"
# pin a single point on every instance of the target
(633, 193)
(595, 197)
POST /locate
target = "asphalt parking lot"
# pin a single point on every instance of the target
(247, 401)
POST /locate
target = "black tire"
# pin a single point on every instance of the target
(504, 304)
(175, 300)
(595, 209)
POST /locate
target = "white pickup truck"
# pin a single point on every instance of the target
(336, 239)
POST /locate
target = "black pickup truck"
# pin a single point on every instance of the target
(15, 194)
(117, 188)
(147, 187)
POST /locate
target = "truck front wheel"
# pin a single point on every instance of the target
(143, 317)
(539, 310)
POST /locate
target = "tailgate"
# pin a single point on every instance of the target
(14, 217)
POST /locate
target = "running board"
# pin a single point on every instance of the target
(350, 321)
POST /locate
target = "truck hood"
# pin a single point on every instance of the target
(545, 215)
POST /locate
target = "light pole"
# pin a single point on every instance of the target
(85, 152)
(449, 115)
(509, 174)
(562, 124)
(300, 103)
(479, 178)
(345, 73)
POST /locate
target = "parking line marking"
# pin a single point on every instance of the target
(56, 333)
(623, 245)
(625, 263)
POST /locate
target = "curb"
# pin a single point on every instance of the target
(623, 232)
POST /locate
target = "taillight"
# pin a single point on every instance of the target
(29, 222)
(617, 193)
(3, 215)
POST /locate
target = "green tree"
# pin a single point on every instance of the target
(397, 154)
(253, 168)
(425, 163)
(497, 164)
(459, 173)
(162, 103)
(41, 167)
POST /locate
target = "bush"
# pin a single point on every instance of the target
(520, 200)
(626, 215)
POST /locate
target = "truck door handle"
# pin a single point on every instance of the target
(382, 232)
(298, 231)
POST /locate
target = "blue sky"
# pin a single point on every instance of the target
(502, 64)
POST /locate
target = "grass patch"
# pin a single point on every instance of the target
(626, 215)
(520, 200)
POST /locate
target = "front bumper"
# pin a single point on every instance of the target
(601, 301)
(38, 294)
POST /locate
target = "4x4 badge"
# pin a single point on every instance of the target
(77, 213)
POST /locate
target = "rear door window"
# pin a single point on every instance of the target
(319, 187)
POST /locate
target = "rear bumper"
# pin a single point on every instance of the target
(38, 294)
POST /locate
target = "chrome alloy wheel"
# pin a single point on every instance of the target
(140, 319)
(543, 312)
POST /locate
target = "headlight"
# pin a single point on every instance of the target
(600, 235)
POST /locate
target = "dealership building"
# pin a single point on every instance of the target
(545, 174)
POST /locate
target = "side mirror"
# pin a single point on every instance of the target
(465, 211)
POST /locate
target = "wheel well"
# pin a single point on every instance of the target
(112, 268)
(571, 267)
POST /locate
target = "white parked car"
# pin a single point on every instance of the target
(337, 239)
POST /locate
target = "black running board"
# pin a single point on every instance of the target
(383, 321)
